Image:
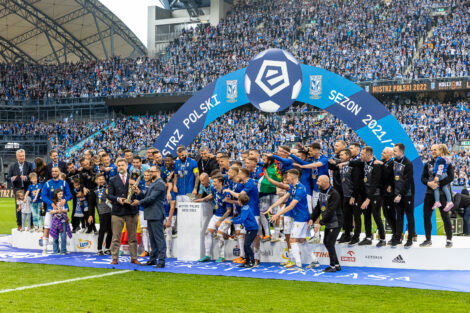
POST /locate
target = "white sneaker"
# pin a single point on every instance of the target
(44, 252)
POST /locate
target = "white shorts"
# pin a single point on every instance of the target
(309, 203)
(288, 224)
(239, 227)
(143, 222)
(260, 232)
(266, 201)
(315, 196)
(300, 230)
(173, 221)
(48, 220)
(223, 228)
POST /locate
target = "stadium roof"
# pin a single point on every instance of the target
(52, 31)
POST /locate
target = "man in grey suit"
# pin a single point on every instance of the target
(154, 213)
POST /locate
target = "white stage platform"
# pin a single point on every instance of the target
(436, 257)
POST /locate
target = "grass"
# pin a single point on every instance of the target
(166, 292)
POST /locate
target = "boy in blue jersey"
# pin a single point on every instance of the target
(249, 187)
(300, 228)
(34, 191)
(187, 174)
(248, 222)
(222, 212)
(144, 184)
(47, 194)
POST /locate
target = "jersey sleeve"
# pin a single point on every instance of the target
(195, 167)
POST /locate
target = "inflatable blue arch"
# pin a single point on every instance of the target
(273, 81)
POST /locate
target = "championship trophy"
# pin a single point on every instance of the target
(135, 175)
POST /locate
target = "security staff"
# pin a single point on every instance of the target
(329, 207)
(404, 189)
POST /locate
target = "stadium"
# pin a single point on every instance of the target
(234, 155)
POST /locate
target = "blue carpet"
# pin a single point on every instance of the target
(421, 279)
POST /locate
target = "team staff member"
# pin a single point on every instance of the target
(404, 190)
(386, 190)
(371, 201)
(187, 174)
(329, 208)
(427, 178)
(101, 203)
(351, 185)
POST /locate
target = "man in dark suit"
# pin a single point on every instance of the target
(18, 175)
(122, 212)
(54, 156)
(154, 213)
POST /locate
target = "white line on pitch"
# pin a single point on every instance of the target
(63, 281)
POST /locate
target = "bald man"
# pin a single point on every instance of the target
(329, 208)
(386, 190)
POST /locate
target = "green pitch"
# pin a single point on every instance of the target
(166, 292)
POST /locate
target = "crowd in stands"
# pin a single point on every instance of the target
(426, 121)
(362, 40)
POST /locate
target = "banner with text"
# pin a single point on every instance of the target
(273, 81)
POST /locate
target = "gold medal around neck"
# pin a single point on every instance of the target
(323, 208)
(397, 178)
(365, 179)
(314, 176)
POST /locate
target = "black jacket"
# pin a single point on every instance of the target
(356, 182)
(405, 185)
(14, 170)
(428, 175)
(62, 166)
(387, 178)
(371, 182)
(207, 166)
(331, 213)
(336, 174)
(116, 189)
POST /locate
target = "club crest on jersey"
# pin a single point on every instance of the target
(315, 86)
(232, 90)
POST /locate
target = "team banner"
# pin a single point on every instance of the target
(272, 82)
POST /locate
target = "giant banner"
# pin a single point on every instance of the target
(274, 80)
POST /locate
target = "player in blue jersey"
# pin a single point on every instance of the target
(282, 156)
(319, 166)
(187, 174)
(300, 228)
(46, 195)
(222, 211)
(249, 187)
(107, 168)
(144, 184)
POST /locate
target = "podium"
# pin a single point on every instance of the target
(192, 222)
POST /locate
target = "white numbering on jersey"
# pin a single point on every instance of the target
(377, 130)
